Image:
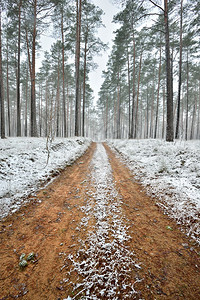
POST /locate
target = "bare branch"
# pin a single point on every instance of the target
(151, 14)
(159, 30)
(156, 5)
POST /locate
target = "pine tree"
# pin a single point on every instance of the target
(91, 21)
(1, 81)
(77, 64)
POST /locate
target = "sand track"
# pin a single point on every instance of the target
(56, 226)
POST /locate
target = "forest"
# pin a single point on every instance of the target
(151, 84)
(99, 188)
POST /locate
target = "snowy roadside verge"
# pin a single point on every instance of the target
(171, 172)
(24, 168)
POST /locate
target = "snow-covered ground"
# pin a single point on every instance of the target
(24, 166)
(171, 172)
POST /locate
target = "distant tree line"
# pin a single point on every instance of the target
(57, 99)
(151, 86)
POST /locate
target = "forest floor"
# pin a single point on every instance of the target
(96, 234)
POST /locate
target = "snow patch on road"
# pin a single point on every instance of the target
(24, 167)
(171, 172)
(104, 260)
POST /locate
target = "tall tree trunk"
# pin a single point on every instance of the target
(133, 93)
(170, 129)
(147, 113)
(18, 72)
(193, 119)
(137, 101)
(118, 108)
(58, 101)
(41, 109)
(84, 83)
(47, 106)
(63, 77)
(115, 116)
(1, 88)
(32, 73)
(182, 115)
(158, 93)
(8, 90)
(180, 74)
(152, 103)
(106, 128)
(71, 123)
(198, 122)
(26, 106)
(77, 63)
(67, 82)
(163, 123)
(33, 94)
(129, 96)
(79, 108)
(187, 99)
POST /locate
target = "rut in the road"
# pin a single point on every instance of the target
(104, 260)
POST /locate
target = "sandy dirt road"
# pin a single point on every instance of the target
(96, 235)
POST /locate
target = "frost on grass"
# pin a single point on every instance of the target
(171, 171)
(23, 166)
(104, 260)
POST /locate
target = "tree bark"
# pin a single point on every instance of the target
(106, 128)
(67, 82)
(118, 108)
(133, 93)
(180, 74)
(40, 110)
(8, 89)
(147, 114)
(58, 102)
(47, 106)
(77, 63)
(26, 106)
(1, 87)
(18, 72)
(152, 103)
(129, 96)
(137, 101)
(63, 76)
(198, 122)
(193, 119)
(163, 122)
(84, 83)
(33, 95)
(32, 73)
(158, 93)
(187, 99)
(170, 129)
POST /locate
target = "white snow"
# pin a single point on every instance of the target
(24, 166)
(171, 172)
(104, 260)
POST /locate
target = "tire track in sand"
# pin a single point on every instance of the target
(104, 262)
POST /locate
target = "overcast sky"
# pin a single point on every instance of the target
(104, 33)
